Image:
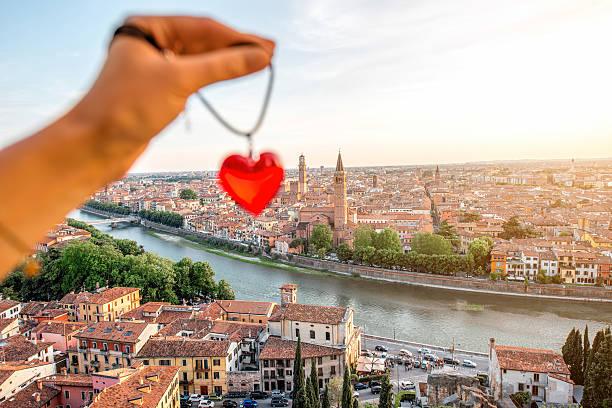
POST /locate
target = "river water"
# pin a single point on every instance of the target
(431, 316)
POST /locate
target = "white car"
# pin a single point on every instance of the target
(405, 353)
(407, 385)
(355, 394)
(424, 350)
(278, 394)
(194, 397)
(206, 404)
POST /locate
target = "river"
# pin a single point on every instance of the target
(431, 316)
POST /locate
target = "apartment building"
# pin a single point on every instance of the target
(202, 364)
(151, 387)
(106, 304)
(17, 375)
(105, 345)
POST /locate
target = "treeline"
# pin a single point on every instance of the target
(168, 218)
(106, 261)
(590, 365)
(413, 261)
(108, 207)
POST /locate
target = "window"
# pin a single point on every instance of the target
(198, 375)
(536, 377)
(312, 334)
(216, 362)
(83, 395)
(184, 363)
(184, 376)
(94, 344)
(116, 347)
(320, 360)
(127, 349)
(327, 336)
(164, 362)
(105, 347)
(216, 375)
(297, 332)
(333, 370)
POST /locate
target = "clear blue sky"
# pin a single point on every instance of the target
(388, 82)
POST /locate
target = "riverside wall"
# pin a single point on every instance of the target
(550, 291)
(562, 292)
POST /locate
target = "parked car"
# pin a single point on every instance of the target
(279, 402)
(375, 389)
(215, 397)
(355, 394)
(429, 357)
(194, 397)
(229, 404)
(451, 361)
(374, 383)
(416, 363)
(381, 348)
(469, 364)
(237, 394)
(405, 353)
(184, 401)
(367, 353)
(249, 403)
(407, 385)
(259, 395)
(360, 386)
(277, 393)
(424, 365)
(424, 350)
(206, 404)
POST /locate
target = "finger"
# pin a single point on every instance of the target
(194, 35)
(197, 71)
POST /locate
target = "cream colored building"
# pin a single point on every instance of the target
(15, 376)
(106, 305)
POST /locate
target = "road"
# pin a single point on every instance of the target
(416, 375)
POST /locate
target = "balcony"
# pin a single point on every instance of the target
(94, 363)
(200, 368)
(185, 382)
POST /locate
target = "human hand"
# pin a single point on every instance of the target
(140, 90)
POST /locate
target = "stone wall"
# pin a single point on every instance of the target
(587, 293)
(443, 385)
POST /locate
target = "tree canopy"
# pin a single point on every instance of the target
(321, 237)
(513, 229)
(449, 232)
(188, 194)
(168, 218)
(388, 239)
(480, 250)
(431, 244)
(105, 261)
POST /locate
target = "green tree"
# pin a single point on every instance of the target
(480, 250)
(469, 217)
(388, 239)
(450, 233)
(225, 291)
(335, 386)
(325, 401)
(431, 244)
(363, 237)
(310, 395)
(300, 398)
(572, 355)
(298, 243)
(314, 380)
(321, 253)
(188, 194)
(355, 403)
(347, 390)
(586, 350)
(321, 237)
(344, 252)
(513, 229)
(386, 393)
(598, 383)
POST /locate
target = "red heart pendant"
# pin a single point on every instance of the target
(252, 184)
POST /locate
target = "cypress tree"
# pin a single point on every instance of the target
(572, 355)
(355, 403)
(299, 390)
(310, 395)
(596, 343)
(386, 393)
(325, 403)
(586, 351)
(598, 385)
(314, 380)
(347, 393)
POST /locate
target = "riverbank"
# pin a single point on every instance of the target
(323, 267)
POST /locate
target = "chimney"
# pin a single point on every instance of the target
(491, 345)
(140, 381)
(37, 396)
(39, 384)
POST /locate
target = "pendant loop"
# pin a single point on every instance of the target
(262, 113)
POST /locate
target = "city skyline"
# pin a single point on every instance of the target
(429, 82)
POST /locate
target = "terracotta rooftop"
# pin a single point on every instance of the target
(246, 307)
(5, 322)
(125, 332)
(59, 327)
(155, 382)
(106, 296)
(183, 347)
(27, 398)
(82, 380)
(278, 348)
(314, 314)
(6, 304)
(532, 360)
(32, 308)
(18, 348)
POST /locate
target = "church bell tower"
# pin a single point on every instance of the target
(340, 206)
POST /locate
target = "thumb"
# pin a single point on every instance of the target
(198, 70)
